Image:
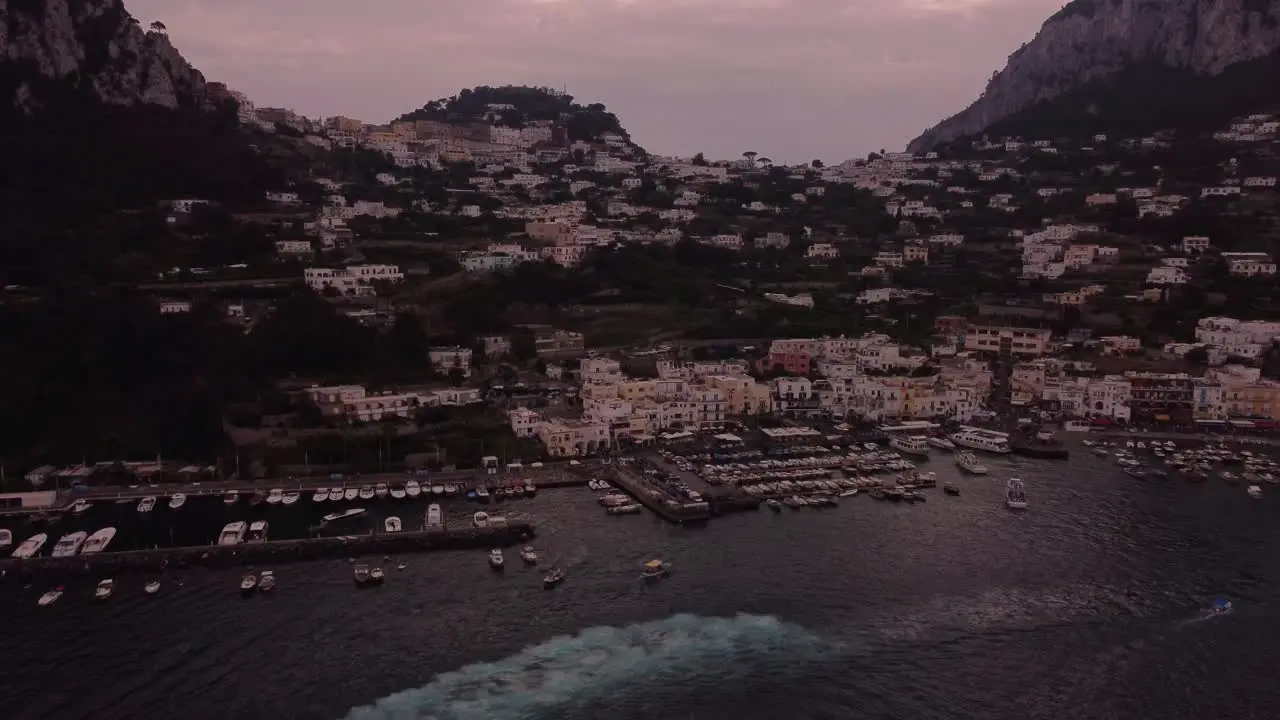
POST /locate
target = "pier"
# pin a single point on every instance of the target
(273, 551)
(656, 498)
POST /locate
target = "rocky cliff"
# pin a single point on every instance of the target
(1092, 39)
(96, 46)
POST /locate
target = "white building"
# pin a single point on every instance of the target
(352, 280)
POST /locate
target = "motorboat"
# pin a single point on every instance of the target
(361, 574)
(68, 545)
(336, 494)
(593, 484)
(290, 497)
(496, 561)
(80, 506)
(1255, 492)
(177, 500)
(232, 533)
(655, 570)
(1015, 496)
(258, 531)
(951, 489)
(435, 517)
(412, 489)
(50, 597)
(1135, 472)
(248, 583)
(614, 500)
(910, 444)
(437, 490)
(528, 555)
(480, 520)
(267, 581)
(152, 587)
(482, 495)
(851, 492)
(104, 589)
(968, 462)
(275, 496)
(31, 546)
(320, 495)
(553, 578)
(398, 493)
(343, 514)
(530, 489)
(230, 497)
(940, 442)
(376, 576)
(517, 490)
(147, 504)
(450, 489)
(391, 524)
(626, 509)
(98, 541)
(871, 446)
(773, 505)
(350, 494)
(6, 539)
(365, 493)
(986, 440)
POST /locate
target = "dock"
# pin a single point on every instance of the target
(273, 551)
(656, 498)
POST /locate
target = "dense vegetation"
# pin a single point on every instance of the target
(582, 122)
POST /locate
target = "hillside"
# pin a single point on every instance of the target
(1092, 42)
(526, 105)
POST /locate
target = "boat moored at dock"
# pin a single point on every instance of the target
(940, 442)
(230, 497)
(336, 495)
(910, 444)
(496, 560)
(361, 575)
(380, 490)
(104, 589)
(70, 544)
(80, 506)
(147, 504)
(275, 496)
(50, 597)
(6, 539)
(233, 533)
(343, 514)
(290, 497)
(31, 547)
(258, 531)
(435, 517)
(412, 489)
(320, 495)
(985, 440)
(267, 581)
(177, 500)
(98, 541)
(480, 520)
(391, 524)
(248, 584)
(350, 494)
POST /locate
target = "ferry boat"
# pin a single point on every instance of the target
(412, 489)
(31, 546)
(350, 494)
(6, 539)
(290, 497)
(969, 463)
(986, 440)
(482, 495)
(258, 531)
(1015, 496)
(80, 506)
(361, 575)
(267, 581)
(398, 493)
(480, 520)
(391, 524)
(940, 442)
(70, 544)
(98, 541)
(104, 589)
(655, 569)
(320, 495)
(496, 561)
(146, 504)
(152, 587)
(342, 515)
(380, 490)
(1255, 492)
(248, 583)
(435, 518)
(50, 597)
(336, 494)
(177, 500)
(230, 498)
(232, 533)
(553, 578)
(910, 444)
(275, 496)
(528, 555)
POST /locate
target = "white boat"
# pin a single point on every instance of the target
(290, 498)
(528, 555)
(248, 583)
(342, 515)
(350, 493)
(267, 581)
(496, 561)
(969, 463)
(871, 446)
(450, 489)
(336, 494)
(480, 519)
(31, 546)
(376, 576)
(98, 541)
(655, 569)
(152, 587)
(6, 539)
(624, 509)
(940, 442)
(177, 500)
(80, 506)
(50, 597)
(530, 489)
(380, 490)
(232, 533)
(910, 444)
(230, 498)
(361, 574)
(320, 495)
(147, 503)
(986, 440)
(482, 494)
(1255, 492)
(258, 531)
(398, 493)
(104, 589)
(1015, 496)
(412, 489)
(391, 524)
(615, 500)
(70, 544)
(275, 496)
(365, 493)
(435, 518)
(437, 489)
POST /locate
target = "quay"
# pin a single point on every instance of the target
(272, 551)
(657, 499)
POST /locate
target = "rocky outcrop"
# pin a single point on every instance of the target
(95, 45)
(1092, 39)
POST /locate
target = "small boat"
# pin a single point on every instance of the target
(98, 541)
(1015, 496)
(361, 574)
(940, 442)
(152, 587)
(435, 517)
(320, 495)
(275, 497)
(350, 512)
(1135, 472)
(230, 498)
(336, 494)
(365, 493)
(104, 589)
(50, 597)
(969, 463)
(391, 524)
(951, 489)
(496, 561)
(258, 531)
(380, 490)
(147, 504)
(290, 497)
(80, 506)
(553, 578)
(350, 494)
(851, 492)
(437, 489)
(517, 490)
(528, 555)
(482, 495)
(655, 570)
(412, 489)
(593, 484)
(267, 581)
(232, 533)
(871, 446)
(450, 489)
(773, 505)
(401, 566)
(480, 520)
(625, 509)
(398, 493)
(1255, 492)
(376, 576)
(248, 583)
(177, 501)
(31, 546)
(530, 489)
(68, 545)
(6, 539)
(1221, 606)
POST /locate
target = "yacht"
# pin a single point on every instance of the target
(365, 493)
(275, 496)
(232, 533)
(397, 493)
(248, 583)
(146, 504)
(80, 506)
(1255, 492)
(104, 589)
(6, 539)
(655, 569)
(553, 578)
(336, 494)
(978, 439)
(361, 575)
(496, 561)
(528, 555)
(342, 515)
(969, 463)
(177, 501)
(50, 597)
(412, 489)
(1015, 496)
(350, 494)
(30, 547)
(290, 497)
(941, 443)
(152, 587)
(482, 495)
(267, 582)
(258, 531)
(391, 524)
(437, 489)
(320, 495)
(70, 544)
(380, 490)
(231, 497)
(376, 576)
(480, 519)
(435, 518)
(98, 541)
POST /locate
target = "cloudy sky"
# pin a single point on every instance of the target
(790, 79)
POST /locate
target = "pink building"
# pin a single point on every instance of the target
(794, 363)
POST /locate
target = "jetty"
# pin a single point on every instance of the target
(661, 501)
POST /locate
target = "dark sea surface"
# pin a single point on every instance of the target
(1089, 605)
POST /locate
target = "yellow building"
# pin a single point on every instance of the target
(745, 396)
(1255, 400)
(570, 438)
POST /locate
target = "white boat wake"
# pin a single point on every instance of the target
(596, 663)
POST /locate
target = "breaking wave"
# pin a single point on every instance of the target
(573, 671)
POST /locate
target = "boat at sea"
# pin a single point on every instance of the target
(985, 440)
(80, 506)
(290, 497)
(1015, 496)
(365, 493)
(343, 514)
(435, 517)
(1135, 472)
(267, 581)
(437, 490)
(1255, 492)
(910, 444)
(177, 500)
(381, 490)
(98, 541)
(968, 462)
(412, 489)
(528, 555)
(350, 494)
(398, 493)
(655, 570)
(553, 578)
(320, 495)
(376, 576)
(248, 584)
(951, 489)
(257, 531)
(6, 539)
(496, 561)
(275, 496)
(232, 533)
(50, 597)
(625, 509)
(68, 545)
(480, 520)
(940, 442)
(482, 495)
(147, 504)
(230, 497)
(361, 575)
(30, 547)
(104, 589)
(152, 587)
(391, 524)
(336, 494)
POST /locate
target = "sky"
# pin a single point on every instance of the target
(793, 80)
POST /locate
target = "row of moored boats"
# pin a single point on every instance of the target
(69, 545)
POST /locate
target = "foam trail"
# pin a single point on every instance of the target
(595, 663)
